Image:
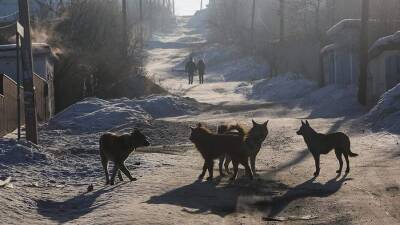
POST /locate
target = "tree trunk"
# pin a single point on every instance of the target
(282, 20)
(253, 14)
(362, 86)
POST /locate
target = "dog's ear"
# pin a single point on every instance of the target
(199, 125)
(266, 123)
(254, 123)
(302, 123)
(191, 128)
(307, 123)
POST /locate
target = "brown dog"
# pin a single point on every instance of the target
(117, 149)
(253, 140)
(212, 146)
(318, 144)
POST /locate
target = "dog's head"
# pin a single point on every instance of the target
(259, 131)
(197, 133)
(304, 129)
(139, 139)
(222, 129)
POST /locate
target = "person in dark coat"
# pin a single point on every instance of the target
(201, 68)
(190, 69)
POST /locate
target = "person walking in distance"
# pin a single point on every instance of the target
(201, 68)
(190, 69)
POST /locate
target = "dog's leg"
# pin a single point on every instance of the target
(339, 157)
(114, 173)
(235, 169)
(201, 176)
(210, 166)
(253, 164)
(245, 163)
(120, 176)
(346, 157)
(123, 168)
(221, 162)
(317, 169)
(104, 162)
(226, 164)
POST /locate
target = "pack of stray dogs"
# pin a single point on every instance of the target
(228, 144)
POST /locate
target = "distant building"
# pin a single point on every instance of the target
(384, 66)
(340, 59)
(43, 67)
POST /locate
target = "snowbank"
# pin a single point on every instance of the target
(95, 115)
(284, 87)
(386, 114)
(332, 101)
(199, 19)
(14, 152)
(162, 106)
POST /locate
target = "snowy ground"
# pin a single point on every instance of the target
(49, 181)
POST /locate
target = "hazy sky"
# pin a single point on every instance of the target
(188, 7)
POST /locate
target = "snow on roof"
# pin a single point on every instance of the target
(391, 42)
(346, 23)
(328, 48)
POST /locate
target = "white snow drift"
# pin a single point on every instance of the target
(95, 115)
(283, 87)
(386, 114)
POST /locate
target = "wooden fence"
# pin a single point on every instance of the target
(8, 103)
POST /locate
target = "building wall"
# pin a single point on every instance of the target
(378, 71)
(41, 65)
(341, 67)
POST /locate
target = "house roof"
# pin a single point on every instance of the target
(328, 48)
(343, 24)
(391, 42)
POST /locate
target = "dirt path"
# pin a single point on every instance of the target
(168, 192)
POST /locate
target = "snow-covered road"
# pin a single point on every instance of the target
(50, 181)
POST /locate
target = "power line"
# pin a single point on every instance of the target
(8, 25)
(9, 15)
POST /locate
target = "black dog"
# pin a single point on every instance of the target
(323, 143)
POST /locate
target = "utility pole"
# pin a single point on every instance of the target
(173, 7)
(282, 20)
(19, 34)
(253, 14)
(362, 83)
(125, 44)
(27, 69)
(141, 23)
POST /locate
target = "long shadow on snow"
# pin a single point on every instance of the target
(207, 197)
(307, 189)
(72, 208)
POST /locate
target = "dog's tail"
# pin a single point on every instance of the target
(352, 154)
(238, 128)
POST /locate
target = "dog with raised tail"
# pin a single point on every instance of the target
(253, 140)
(318, 144)
(213, 146)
